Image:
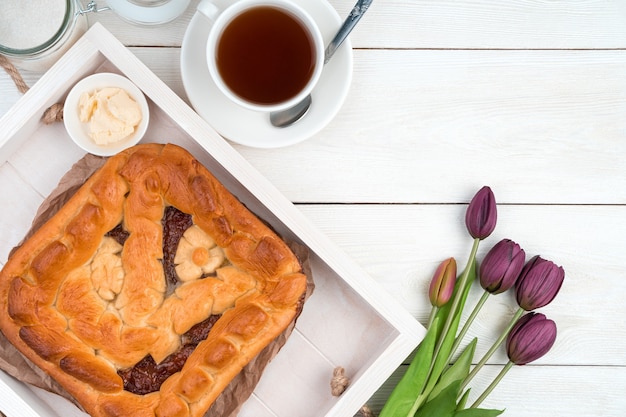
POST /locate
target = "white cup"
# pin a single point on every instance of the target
(238, 48)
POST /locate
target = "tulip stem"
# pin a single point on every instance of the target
(467, 324)
(431, 318)
(493, 384)
(493, 348)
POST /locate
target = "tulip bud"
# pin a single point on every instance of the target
(501, 266)
(538, 283)
(530, 338)
(481, 214)
(442, 284)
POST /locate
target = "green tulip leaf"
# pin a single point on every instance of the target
(463, 401)
(478, 412)
(458, 371)
(443, 405)
(424, 391)
(407, 391)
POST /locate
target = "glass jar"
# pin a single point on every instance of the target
(35, 33)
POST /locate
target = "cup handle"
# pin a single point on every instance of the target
(208, 9)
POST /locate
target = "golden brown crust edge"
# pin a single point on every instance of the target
(50, 307)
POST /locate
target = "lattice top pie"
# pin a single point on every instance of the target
(150, 289)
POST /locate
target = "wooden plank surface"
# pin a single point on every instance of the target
(508, 117)
(540, 126)
(401, 246)
(528, 97)
(491, 24)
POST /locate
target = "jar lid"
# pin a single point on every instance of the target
(148, 12)
(31, 26)
(148, 2)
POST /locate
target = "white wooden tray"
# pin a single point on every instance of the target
(349, 321)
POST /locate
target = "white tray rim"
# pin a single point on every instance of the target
(97, 45)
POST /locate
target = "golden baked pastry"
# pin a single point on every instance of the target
(150, 289)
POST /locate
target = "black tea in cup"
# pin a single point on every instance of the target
(266, 55)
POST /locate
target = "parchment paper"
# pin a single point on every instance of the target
(236, 393)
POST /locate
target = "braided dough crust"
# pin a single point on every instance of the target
(82, 307)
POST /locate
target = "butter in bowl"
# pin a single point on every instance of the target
(105, 113)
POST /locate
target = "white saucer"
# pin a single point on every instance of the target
(251, 128)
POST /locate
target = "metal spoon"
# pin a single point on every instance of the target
(291, 115)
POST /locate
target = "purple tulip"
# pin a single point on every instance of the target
(481, 214)
(538, 283)
(442, 284)
(530, 338)
(501, 267)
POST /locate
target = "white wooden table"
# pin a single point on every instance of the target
(526, 97)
